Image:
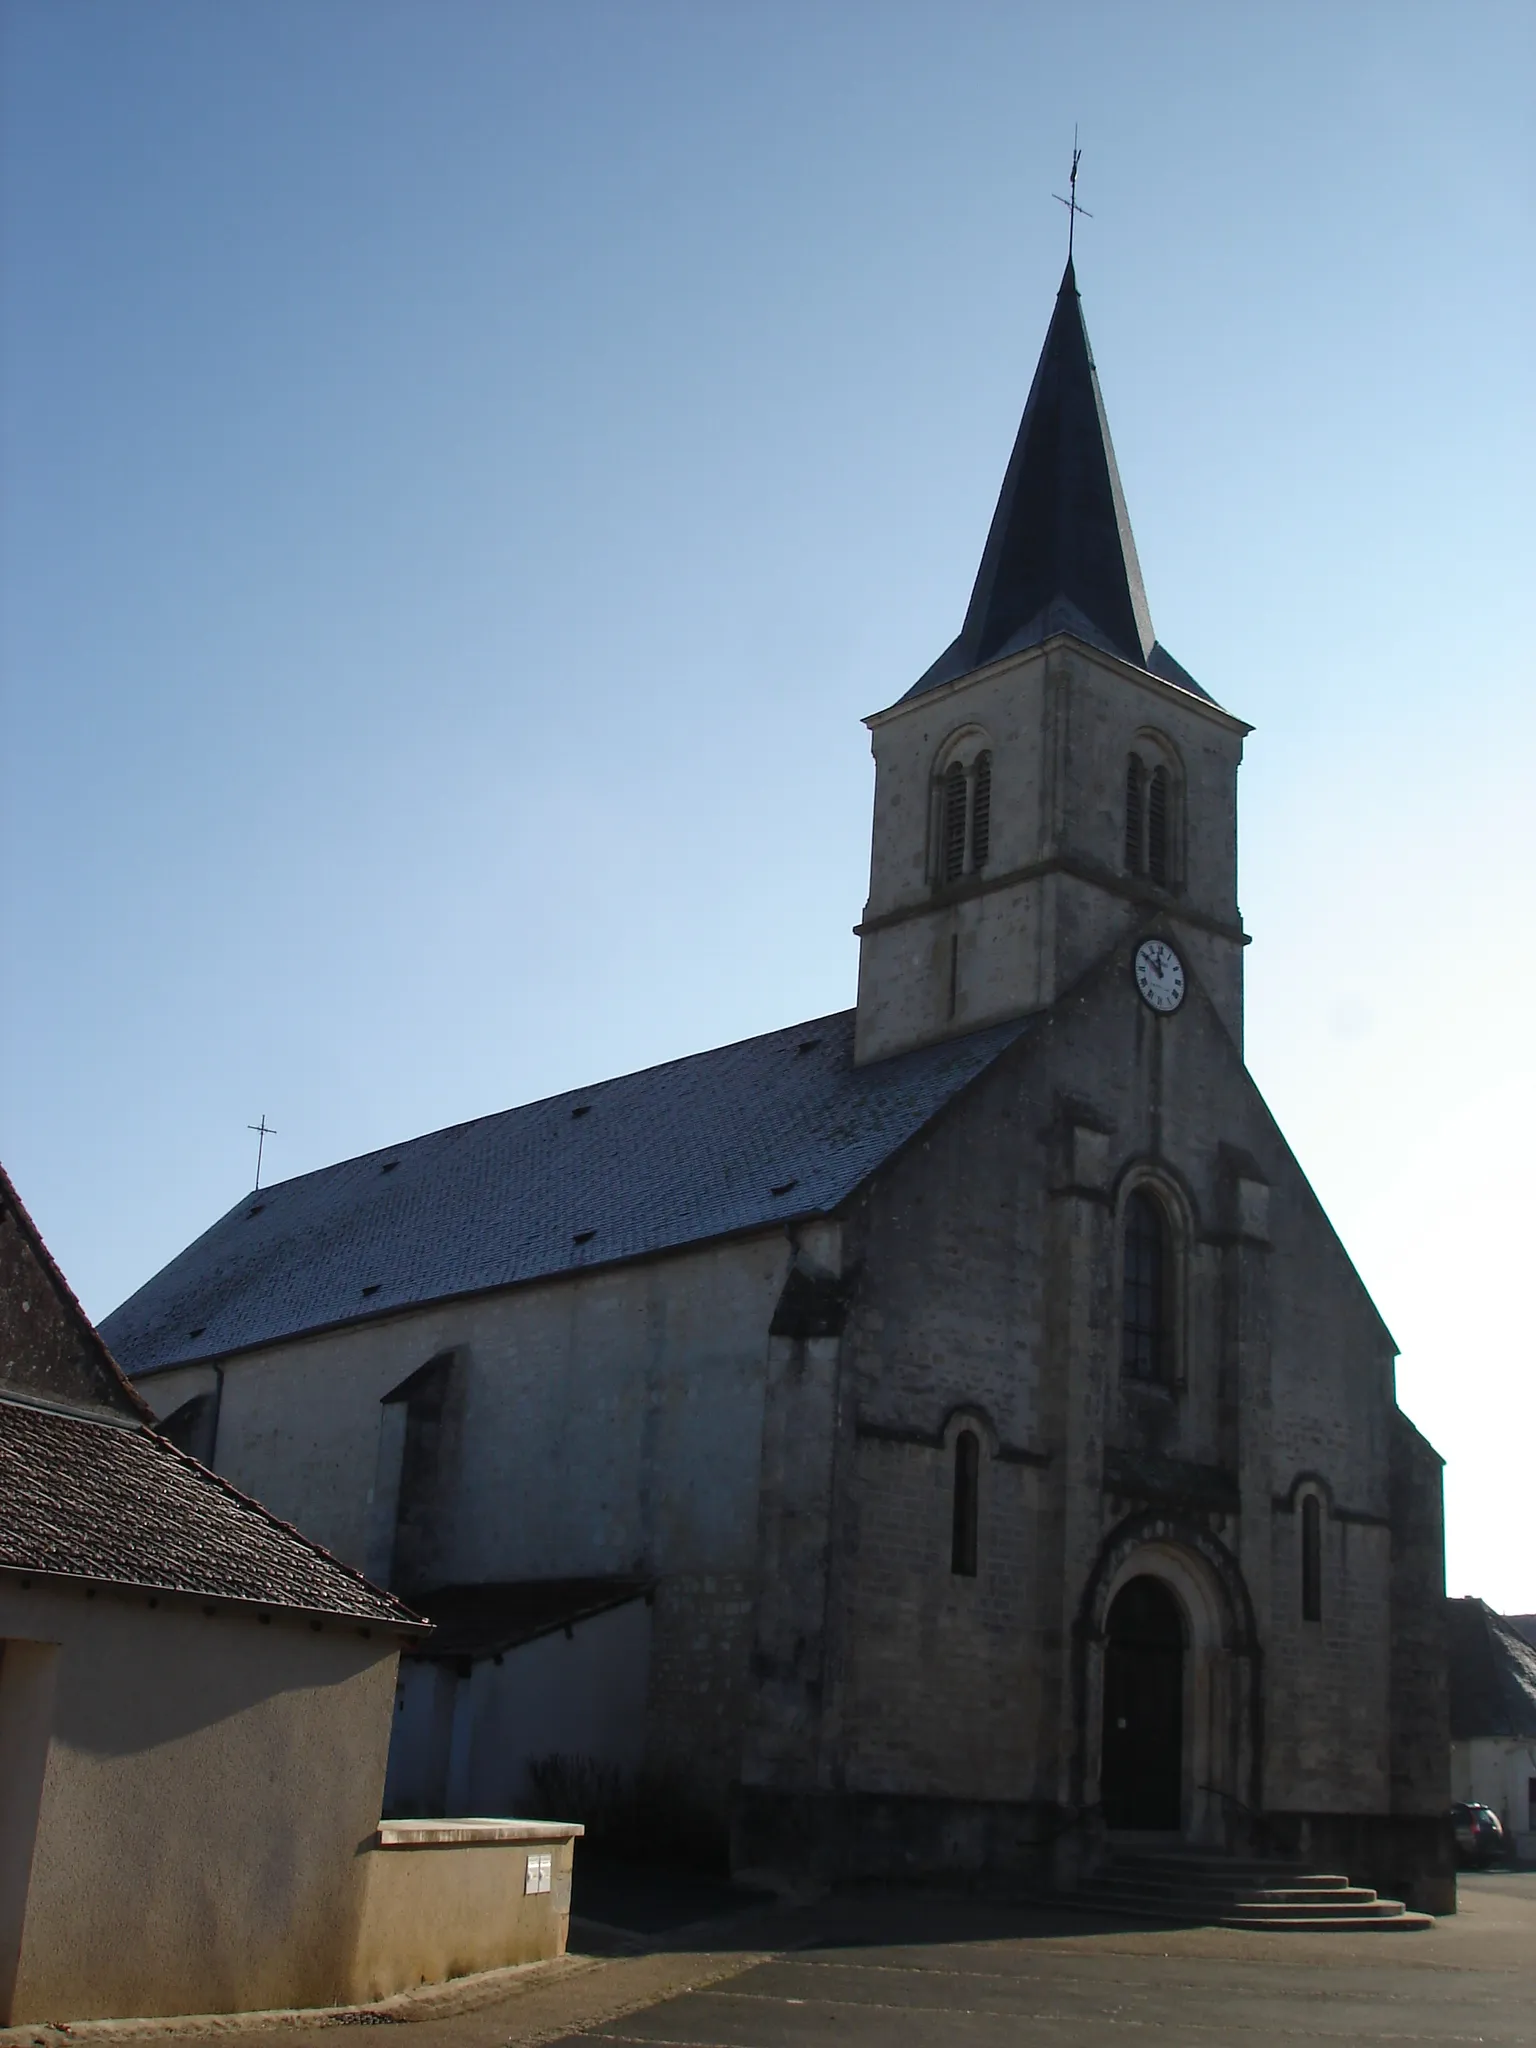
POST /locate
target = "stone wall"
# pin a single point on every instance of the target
(986, 1288)
(1061, 723)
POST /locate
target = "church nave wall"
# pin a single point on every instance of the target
(606, 1424)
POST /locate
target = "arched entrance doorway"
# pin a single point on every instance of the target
(1142, 1770)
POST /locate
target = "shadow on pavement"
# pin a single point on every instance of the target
(630, 1909)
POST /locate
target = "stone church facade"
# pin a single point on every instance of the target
(968, 1390)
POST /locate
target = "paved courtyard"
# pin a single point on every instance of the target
(909, 1972)
(916, 1970)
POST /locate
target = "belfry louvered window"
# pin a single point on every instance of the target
(1152, 815)
(963, 815)
(954, 823)
(1147, 1296)
(1157, 825)
(981, 811)
(1134, 828)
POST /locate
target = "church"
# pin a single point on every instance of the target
(949, 1431)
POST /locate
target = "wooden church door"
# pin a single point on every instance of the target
(1142, 1771)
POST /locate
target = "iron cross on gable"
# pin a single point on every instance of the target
(1070, 203)
(263, 1131)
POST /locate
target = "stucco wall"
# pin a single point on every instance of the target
(1499, 1771)
(431, 1909)
(206, 1784)
(610, 1423)
(463, 1742)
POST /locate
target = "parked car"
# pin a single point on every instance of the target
(1479, 1835)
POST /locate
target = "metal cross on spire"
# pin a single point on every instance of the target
(263, 1131)
(1073, 209)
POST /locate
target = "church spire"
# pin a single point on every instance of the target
(1059, 557)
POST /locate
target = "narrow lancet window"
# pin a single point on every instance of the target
(962, 1549)
(1157, 825)
(981, 812)
(1133, 815)
(1144, 1318)
(1311, 1559)
(954, 823)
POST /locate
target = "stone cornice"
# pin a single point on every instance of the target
(1130, 888)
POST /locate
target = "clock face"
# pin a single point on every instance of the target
(1159, 975)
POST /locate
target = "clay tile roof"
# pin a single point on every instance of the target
(90, 1493)
(737, 1139)
(112, 1503)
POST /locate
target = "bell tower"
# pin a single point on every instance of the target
(1055, 782)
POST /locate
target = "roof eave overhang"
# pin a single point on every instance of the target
(772, 1226)
(27, 1576)
(1157, 686)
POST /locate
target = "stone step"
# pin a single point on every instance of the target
(1402, 1922)
(1240, 1892)
(1219, 1866)
(1320, 1896)
(1366, 1904)
(1386, 1916)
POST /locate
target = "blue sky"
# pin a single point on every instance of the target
(470, 467)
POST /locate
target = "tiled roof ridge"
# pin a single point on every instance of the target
(53, 1273)
(408, 1618)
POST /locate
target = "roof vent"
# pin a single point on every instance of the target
(582, 1109)
(373, 1289)
(254, 1212)
(198, 1331)
(807, 1045)
(389, 1166)
(784, 1187)
(582, 1236)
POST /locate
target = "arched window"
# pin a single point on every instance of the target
(1153, 814)
(1157, 825)
(1311, 1558)
(981, 811)
(1145, 1347)
(962, 808)
(953, 856)
(962, 1547)
(1134, 828)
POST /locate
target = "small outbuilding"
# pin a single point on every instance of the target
(195, 1714)
(1493, 1718)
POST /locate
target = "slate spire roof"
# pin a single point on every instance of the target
(1060, 556)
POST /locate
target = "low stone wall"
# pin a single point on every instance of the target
(443, 1898)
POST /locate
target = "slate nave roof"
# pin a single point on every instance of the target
(761, 1132)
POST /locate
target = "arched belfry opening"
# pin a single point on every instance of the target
(1142, 1770)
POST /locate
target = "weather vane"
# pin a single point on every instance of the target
(1073, 209)
(263, 1131)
